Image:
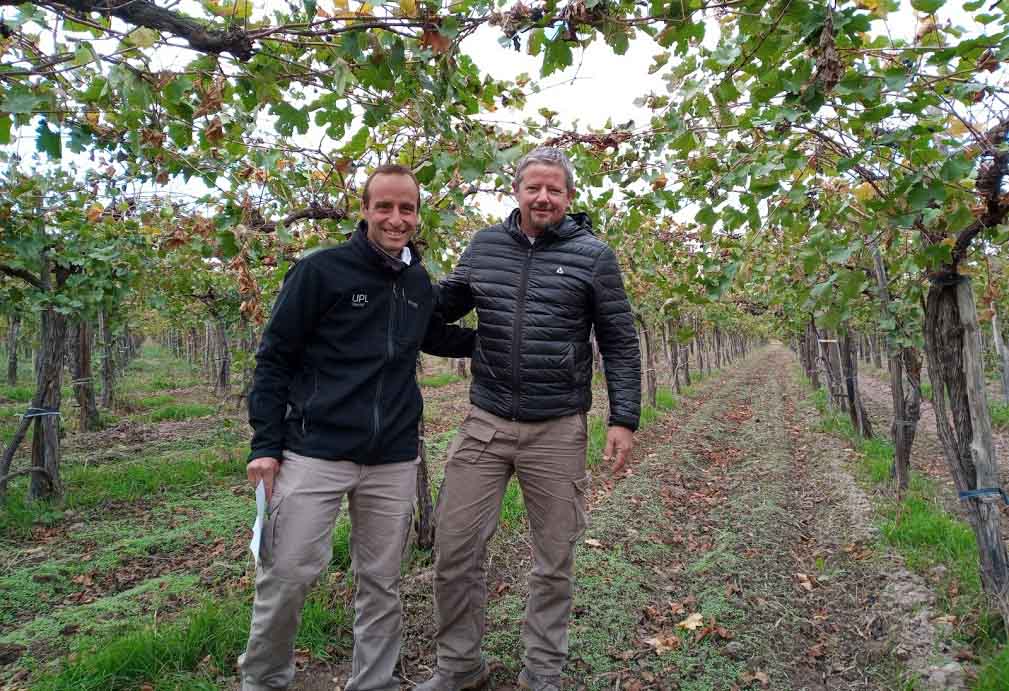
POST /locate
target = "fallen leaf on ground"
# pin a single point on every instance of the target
(664, 643)
(592, 542)
(758, 676)
(692, 622)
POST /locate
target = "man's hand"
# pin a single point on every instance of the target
(264, 469)
(619, 442)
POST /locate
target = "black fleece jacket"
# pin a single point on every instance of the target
(336, 369)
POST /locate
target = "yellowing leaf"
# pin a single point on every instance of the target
(239, 9)
(877, 8)
(957, 127)
(692, 622)
(408, 8)
(341, 6)
(865, 192)
(366, 10)
(144, 37)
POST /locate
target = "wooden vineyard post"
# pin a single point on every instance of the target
(905, 411)
(849, 368)
(425, 507)
(83, 383)
(952, 338)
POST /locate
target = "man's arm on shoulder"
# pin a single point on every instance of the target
(618, 341)
(295, 317)
(454, 298)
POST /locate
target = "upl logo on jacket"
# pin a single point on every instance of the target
(359, 300)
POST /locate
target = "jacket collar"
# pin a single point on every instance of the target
(375, 253)
(571, 225)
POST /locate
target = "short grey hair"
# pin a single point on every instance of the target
(546, 156)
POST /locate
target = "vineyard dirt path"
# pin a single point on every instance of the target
(737, 552)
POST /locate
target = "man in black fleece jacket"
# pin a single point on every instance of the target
(335, 407)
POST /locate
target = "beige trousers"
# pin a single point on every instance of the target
(296, 548)
(549, 460)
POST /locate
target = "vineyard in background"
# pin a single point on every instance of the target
(830, 176)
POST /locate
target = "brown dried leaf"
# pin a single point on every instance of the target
(758, 676)
(987, 61)
(437, 42)
(804, 581)
(214, 132)
(664, 643)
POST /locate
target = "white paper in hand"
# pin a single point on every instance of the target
(257, 527)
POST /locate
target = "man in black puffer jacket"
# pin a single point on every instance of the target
(335, 406)
(540, 283)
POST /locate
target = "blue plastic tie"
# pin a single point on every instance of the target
(39, 412)
(985, 492)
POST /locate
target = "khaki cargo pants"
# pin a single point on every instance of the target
(549, 459)
(296, 548)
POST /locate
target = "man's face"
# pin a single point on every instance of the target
(392, 212)
(543, 197)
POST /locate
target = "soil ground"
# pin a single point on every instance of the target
(736, 551)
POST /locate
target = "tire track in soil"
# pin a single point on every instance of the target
(767, 538)
(788, 574)
(702, 421)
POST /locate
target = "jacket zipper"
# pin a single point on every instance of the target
(520, 313)
(376, 413)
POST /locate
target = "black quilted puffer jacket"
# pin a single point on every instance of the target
(536, 304)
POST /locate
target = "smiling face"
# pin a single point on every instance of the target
(543, 197)
(392, 211)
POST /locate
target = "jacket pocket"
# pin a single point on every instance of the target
(568, 359)
(410, 331)
(480, 361)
